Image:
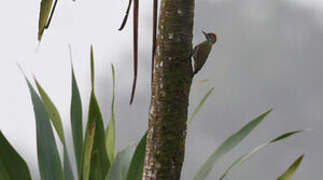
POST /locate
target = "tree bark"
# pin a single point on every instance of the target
(172, 79)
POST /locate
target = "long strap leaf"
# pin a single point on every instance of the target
(45, 16)
(76, 120)
(199, 106)
(12, 166)
(87, 152)
(52, 112)
(227, 145)
(129, 163)
(247, 155)
(92, 67)
(292, 169)
(120, 166)
(100, 163)
(57, 122)
(68, 172)
(137, 162)
(110, 130)
(200, 81)
(48, 158)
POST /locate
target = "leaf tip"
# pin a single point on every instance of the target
(267, 112)
(22, 70)
(302, 156)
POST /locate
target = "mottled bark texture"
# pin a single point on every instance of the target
(171, 84)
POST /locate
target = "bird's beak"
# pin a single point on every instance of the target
(205, 34)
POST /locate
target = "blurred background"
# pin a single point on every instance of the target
(269, 55)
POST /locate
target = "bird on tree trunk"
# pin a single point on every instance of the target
(201, 51)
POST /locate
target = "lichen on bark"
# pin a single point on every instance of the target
(171, 84)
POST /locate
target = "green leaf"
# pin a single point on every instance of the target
(76, 122)
(100, 163)
(92, 67)
(129, 163)
(57, 122)
(120, 165)
(227, 145)
(197, 109)
(110, 130)
(286, 135)
(247, 155)
(87, 152)
(291, 170)
(45, 8)
(52, 112)
(4, 172)
(137, 162)
(200, 81)
(45, 16)
(12, 166)
(68, 172)
(48, 158)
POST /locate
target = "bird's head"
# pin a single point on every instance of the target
(211, 37)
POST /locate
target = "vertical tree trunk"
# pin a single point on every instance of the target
(171, 84)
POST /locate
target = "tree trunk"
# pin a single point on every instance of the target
(171, 85)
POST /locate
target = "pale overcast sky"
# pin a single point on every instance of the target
(269, 55)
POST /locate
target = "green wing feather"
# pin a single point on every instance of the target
(200, 55)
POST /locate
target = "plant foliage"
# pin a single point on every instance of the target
(94, 153)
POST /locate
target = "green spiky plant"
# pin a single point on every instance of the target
(94, 152)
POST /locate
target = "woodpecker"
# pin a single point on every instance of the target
(202, 51)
